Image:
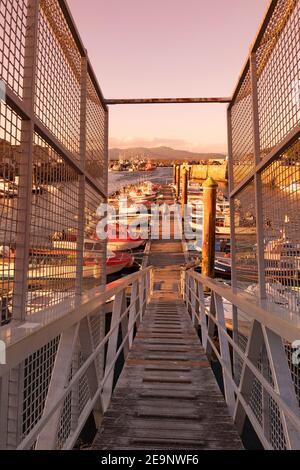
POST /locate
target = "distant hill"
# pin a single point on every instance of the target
(163, 154)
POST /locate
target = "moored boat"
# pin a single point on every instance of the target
(115, 262)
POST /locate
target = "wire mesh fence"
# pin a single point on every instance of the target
(265, 117)
(265, 189)
(53, 166)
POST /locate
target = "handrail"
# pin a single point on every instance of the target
(31, 437)
(264, 332)
(21, 344)
(274, 317)
(275, 395)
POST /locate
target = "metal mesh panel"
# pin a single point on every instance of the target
(65, 424)
(255, 401)
(74, 403)
(94, 249)
(10, 134)
(245, 233)
(58, 77)
(278, 66)
(242, 132)
(53, 221)
(281, 208)
(37, 374)
(12, 43)
(294, 369)
(276, 433)
(54, 224)
(97, 327)
(95, 139)
(242, 341)
(265, 408)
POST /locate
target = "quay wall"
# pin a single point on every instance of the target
(202, 172)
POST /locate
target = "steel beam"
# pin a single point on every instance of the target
(167, 101)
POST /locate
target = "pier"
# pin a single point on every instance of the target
(130, 362)
(167, 396)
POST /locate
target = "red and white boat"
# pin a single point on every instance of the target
(119, 238)
(115, 262)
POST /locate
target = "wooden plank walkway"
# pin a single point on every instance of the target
(167, 396)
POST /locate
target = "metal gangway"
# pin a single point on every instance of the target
(58, 357)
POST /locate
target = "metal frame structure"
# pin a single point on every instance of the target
(279, 395)
(54, 158)
(54, 151)
(260, 380)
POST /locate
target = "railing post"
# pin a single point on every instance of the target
(193, 286)
(112, 349)
(235, 328)
(225, 355)
(4, 389)
(257, 181)
(26, 165)
(16, 382)
(178, 181)
(134, 302)
(203, 317)
(81, 183)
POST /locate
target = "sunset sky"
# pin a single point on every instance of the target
(168, 48)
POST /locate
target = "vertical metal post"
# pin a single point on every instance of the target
(178, 181)
(16, 384)
(4, 384)
(209, 227)
(257, 181)
(184, 193)
(235, 326)
(81, 182)
(25, 165)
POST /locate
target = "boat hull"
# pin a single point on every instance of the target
(124, 245)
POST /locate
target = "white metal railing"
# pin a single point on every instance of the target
(129, 297)
(259, 377)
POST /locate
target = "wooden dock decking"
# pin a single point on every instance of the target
(167, 396)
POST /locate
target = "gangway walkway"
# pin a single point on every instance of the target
(167, 396)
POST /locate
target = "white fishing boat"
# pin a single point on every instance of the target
(115, 262)
(121, 238)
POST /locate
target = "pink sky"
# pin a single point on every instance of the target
(168, 48)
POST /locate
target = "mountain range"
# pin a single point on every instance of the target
(162, 154)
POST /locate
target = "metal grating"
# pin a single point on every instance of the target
(13, 16)
(94, 249)
(95, 135)
(37, 375)
(242, 132)
(43, 174)
(58, 80)
(10, 136)
(281, 208)
(278, 66)
(245, 234)
(54, 227)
